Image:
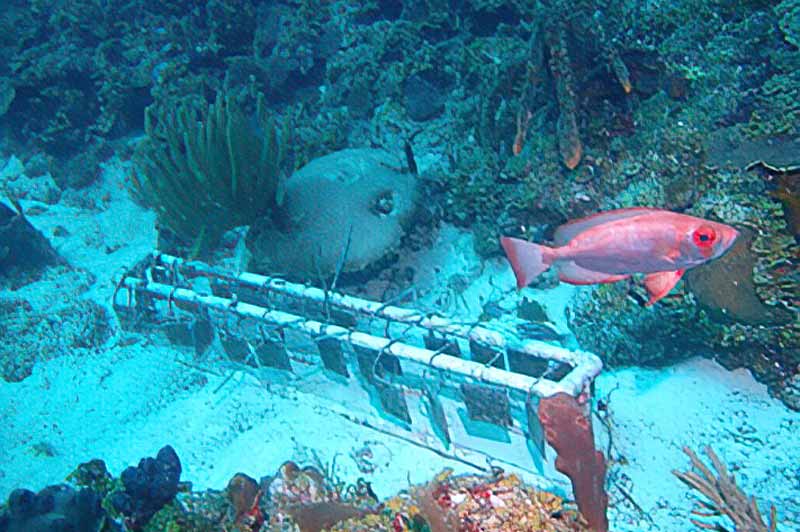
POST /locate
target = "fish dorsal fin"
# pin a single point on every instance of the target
(660, 283)
(570, 230)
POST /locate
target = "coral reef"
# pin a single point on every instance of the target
(70, 82)
(304, 499)
(743, 306)
(297, 498)
(775, 108)
(412, 57)
(86, 69)
(526, 114)
(93, 501)
(471, 503)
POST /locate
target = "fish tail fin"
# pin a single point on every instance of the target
(528, 260)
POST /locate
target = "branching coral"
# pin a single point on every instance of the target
(723, 497)
(209, 169)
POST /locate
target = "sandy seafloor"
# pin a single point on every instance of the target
(126, 401)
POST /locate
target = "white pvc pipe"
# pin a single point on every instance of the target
(487, 374)
(586, 366)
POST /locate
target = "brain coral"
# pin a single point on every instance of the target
(355, 194)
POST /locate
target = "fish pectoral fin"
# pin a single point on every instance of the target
(571, 273)
(660, 283)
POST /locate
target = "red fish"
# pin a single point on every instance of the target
(611, 246)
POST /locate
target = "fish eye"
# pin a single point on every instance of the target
(704, 236)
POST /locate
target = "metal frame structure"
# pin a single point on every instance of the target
(466, 391)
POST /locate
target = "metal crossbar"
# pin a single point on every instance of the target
(466, 391)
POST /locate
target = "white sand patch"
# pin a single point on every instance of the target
(99, 229)
(129, 401)
(655, 413)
